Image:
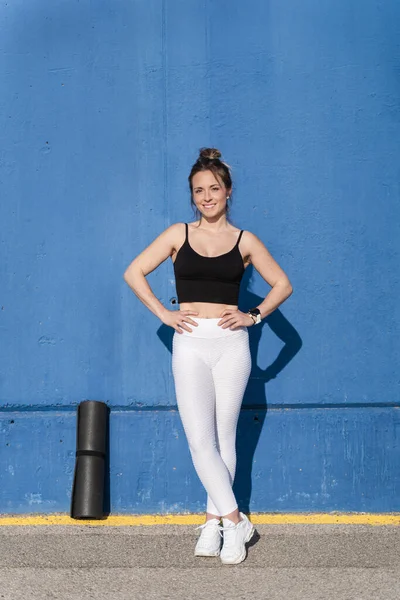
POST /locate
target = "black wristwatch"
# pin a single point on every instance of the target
(255, 315)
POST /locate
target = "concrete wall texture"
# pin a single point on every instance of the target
(103, 109)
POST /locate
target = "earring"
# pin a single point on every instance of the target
(227, 197)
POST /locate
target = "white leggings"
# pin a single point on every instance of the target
(211, 368)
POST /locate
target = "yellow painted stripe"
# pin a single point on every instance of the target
(196, 519)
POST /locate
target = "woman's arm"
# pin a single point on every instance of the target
(148, 260)
(270, 271)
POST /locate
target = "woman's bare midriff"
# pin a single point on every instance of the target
(206, 310)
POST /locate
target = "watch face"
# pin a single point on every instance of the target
(255, 311)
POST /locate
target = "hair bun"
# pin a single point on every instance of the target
(209, 153)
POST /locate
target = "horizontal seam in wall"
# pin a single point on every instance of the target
(173, 407)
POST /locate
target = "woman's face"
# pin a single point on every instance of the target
(209, 194)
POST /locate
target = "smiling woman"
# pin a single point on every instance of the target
(211, 360)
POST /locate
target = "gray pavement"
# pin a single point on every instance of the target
(284, 562)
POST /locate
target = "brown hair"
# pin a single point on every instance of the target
(210, 160)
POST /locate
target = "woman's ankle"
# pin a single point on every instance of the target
(234, 516)
(210, 516)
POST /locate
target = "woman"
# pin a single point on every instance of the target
(210, 352)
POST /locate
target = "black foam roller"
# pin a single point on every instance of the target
(87, 500)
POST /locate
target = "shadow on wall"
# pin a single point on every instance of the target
(254, 407)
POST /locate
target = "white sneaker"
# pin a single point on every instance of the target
(235, 537)
(209, 542)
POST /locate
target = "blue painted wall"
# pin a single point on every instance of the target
(103, 111)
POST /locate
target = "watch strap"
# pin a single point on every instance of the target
(255, 314)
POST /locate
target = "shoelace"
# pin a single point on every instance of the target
(220, 529)
(229, 536)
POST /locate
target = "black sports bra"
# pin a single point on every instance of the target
(208, 278)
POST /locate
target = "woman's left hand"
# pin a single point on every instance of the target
(234, 318)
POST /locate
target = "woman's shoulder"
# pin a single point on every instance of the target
(250, 238)
(175, 233)
(176, 227)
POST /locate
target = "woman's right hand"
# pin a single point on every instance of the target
(178, 319)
